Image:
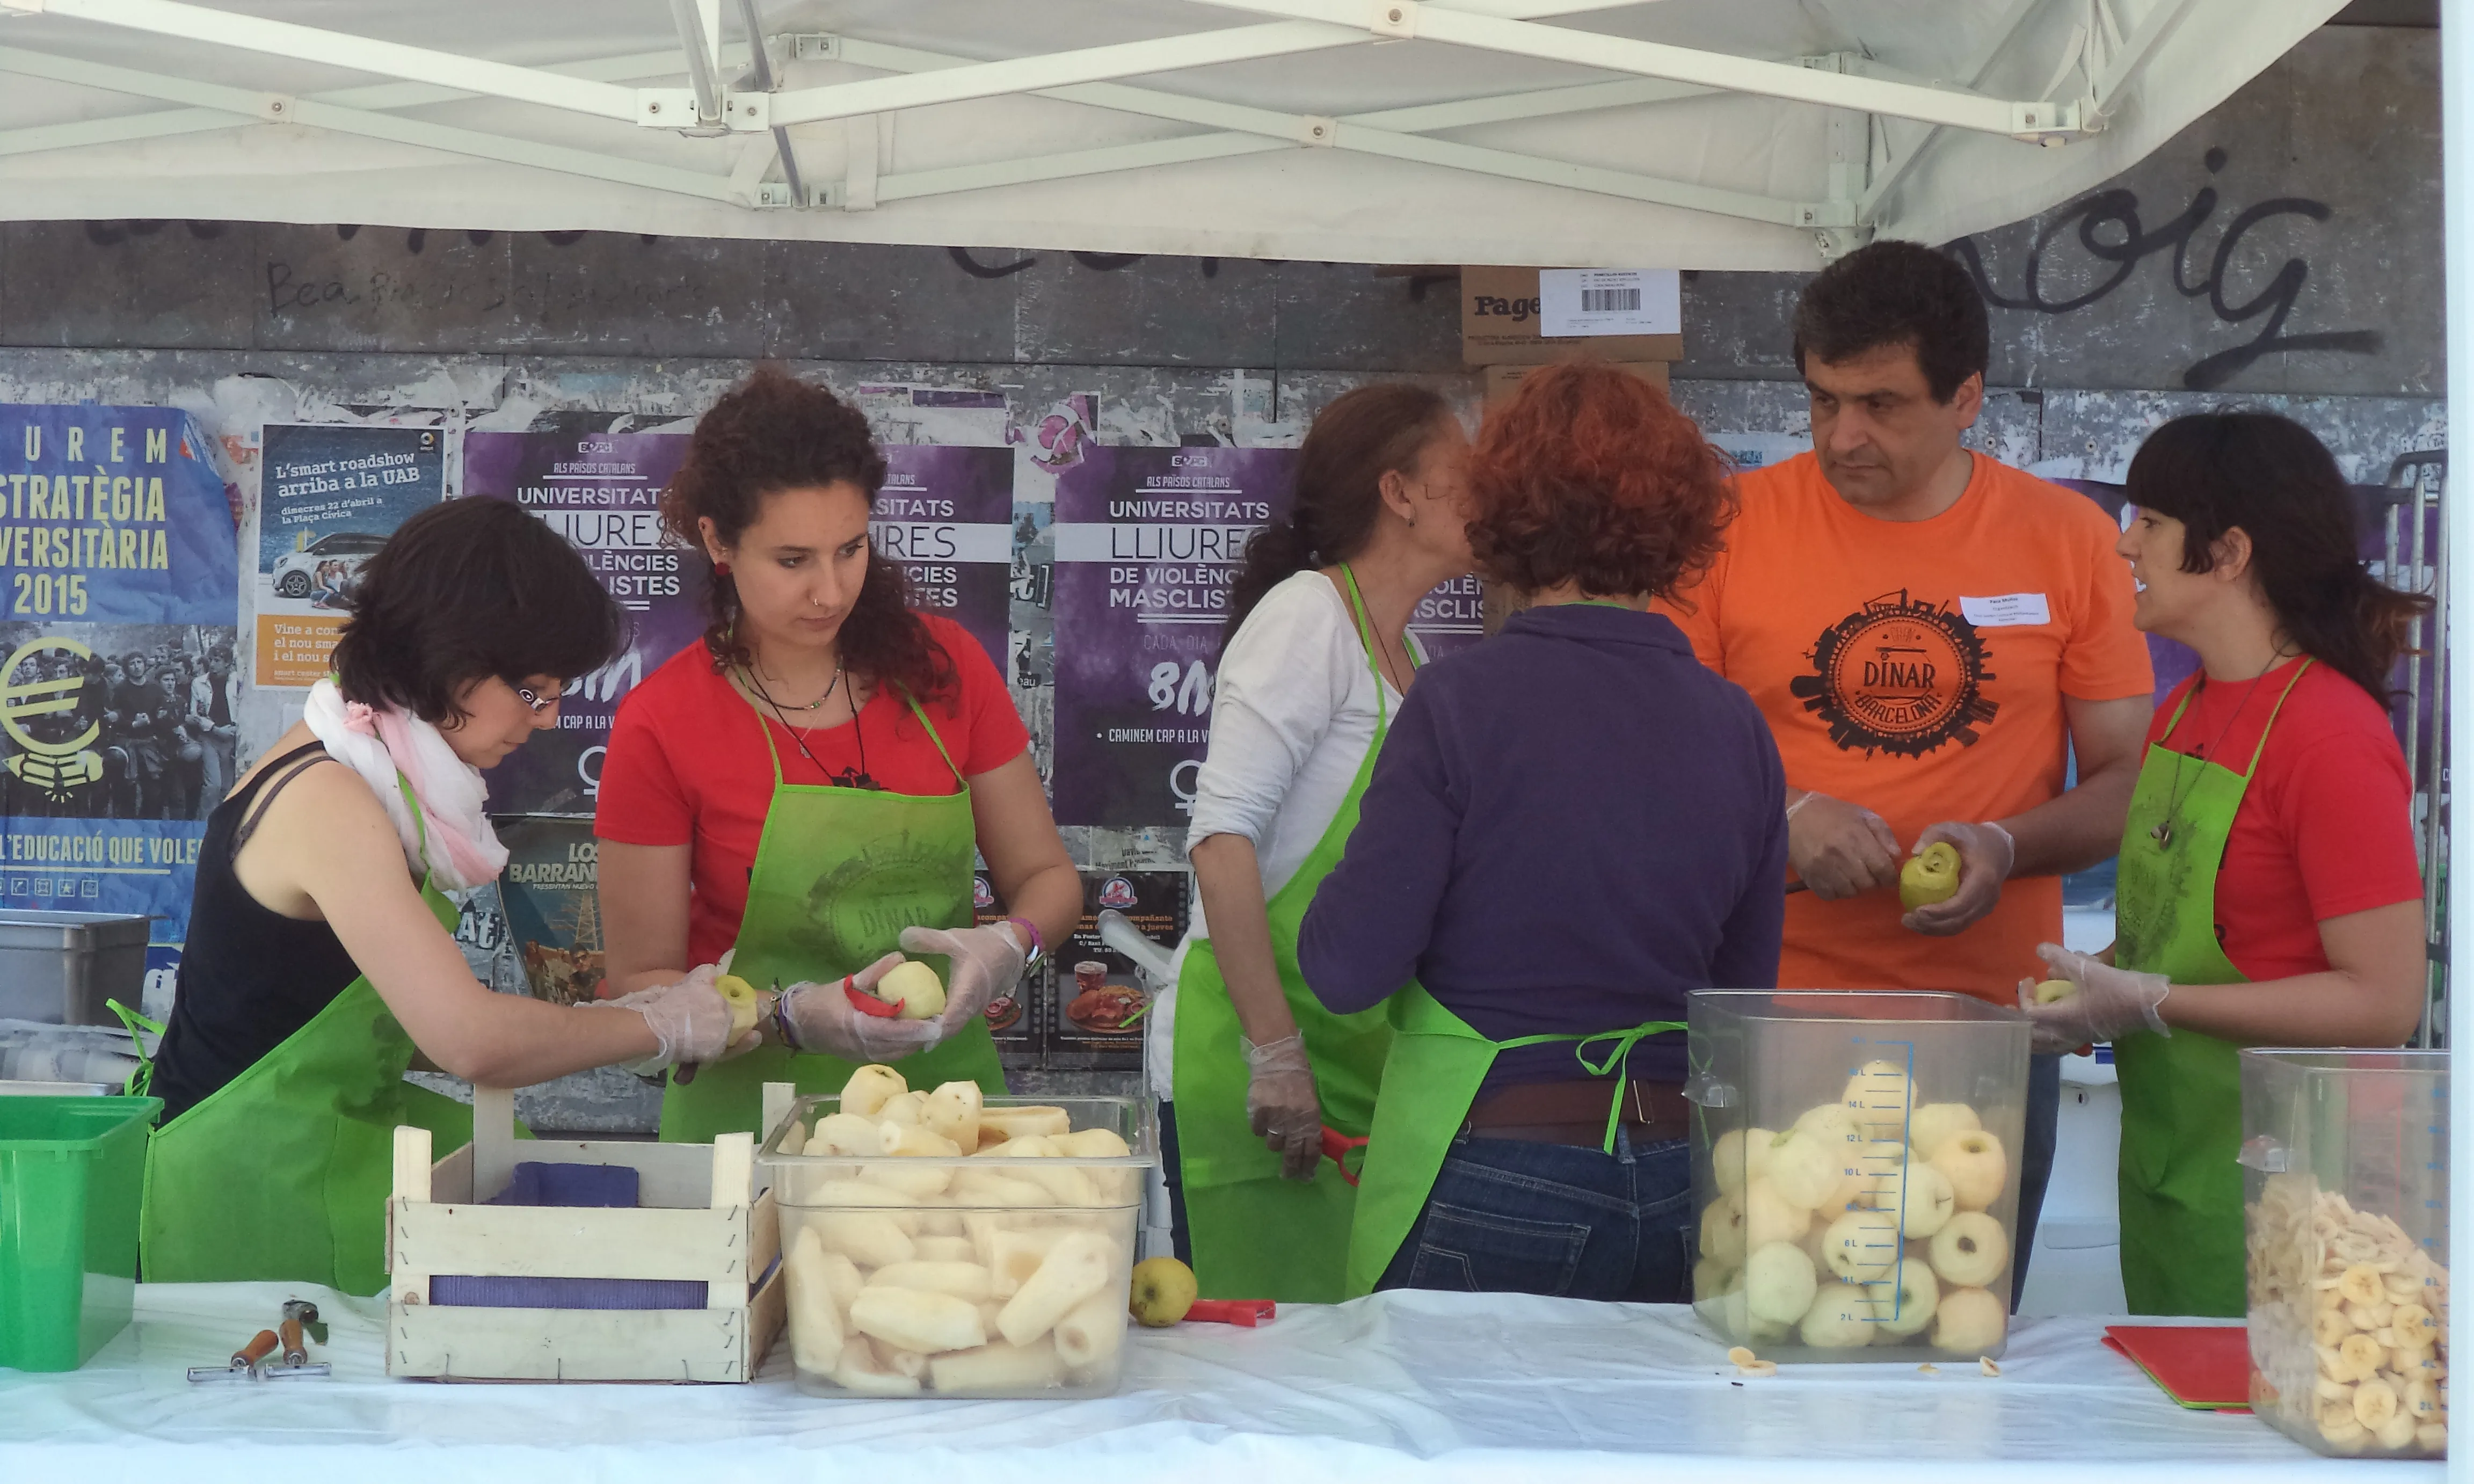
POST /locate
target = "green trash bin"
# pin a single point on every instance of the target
(70, 1172)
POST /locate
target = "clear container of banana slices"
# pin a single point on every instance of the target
(2345, 1220)
(1855, 1171)
(935, 1243)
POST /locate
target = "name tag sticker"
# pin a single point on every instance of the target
(2010, 610)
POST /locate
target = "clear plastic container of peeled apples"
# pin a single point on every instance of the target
(1855, 1172)
(2346, 1221)
(939, 1244)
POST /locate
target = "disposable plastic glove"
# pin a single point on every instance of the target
(986, 962)
(1281, 1106)
(689, 1018)
(826, 1021)
(2110, 1002)
(1986, 853)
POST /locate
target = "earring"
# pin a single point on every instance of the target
(721, 568)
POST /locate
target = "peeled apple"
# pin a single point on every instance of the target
(2053, 991)
(1929, 877)
(742, 996)
(915, 988)
(871, 1088)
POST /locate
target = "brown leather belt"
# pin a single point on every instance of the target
(1575, 1113)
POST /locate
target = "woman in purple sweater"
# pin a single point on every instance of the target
(1573, 825)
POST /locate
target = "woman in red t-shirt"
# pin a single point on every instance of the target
(805, 790)
(2268, 894)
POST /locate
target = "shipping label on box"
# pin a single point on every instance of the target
(1610, 302)
(1503, 316)
(1100, 1003)
(1013, 1017)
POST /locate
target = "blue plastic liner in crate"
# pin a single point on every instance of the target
(572, 1186)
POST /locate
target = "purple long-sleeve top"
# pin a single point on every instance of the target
(1570, 827)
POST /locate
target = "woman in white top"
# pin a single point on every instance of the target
(1314, 668)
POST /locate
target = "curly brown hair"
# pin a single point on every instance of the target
(1590, 476)
(774, 432)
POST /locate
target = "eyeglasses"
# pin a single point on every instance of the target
(537, 702)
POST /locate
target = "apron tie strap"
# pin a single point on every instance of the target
(1618, 1061)
(143, 1078)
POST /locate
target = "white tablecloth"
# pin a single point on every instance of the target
(1484, 1388)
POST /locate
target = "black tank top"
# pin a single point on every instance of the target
(249, 976)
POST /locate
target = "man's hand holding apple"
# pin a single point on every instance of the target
(1840, 849)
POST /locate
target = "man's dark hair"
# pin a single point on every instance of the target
(466, 591)
(1897, 294)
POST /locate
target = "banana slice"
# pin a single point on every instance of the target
(2362, 1284)
(2339, 1424)
(2375, 1402)
(2413, 1325)
(2363, 1355)
(2396, 1434)
(2421, 1401)
(2330, 1327)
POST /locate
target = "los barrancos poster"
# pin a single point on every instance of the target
(119, 571)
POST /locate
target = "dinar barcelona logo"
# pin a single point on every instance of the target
(1900, 675)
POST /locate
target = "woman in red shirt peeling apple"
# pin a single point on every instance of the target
(805, 789)
(2269, 892)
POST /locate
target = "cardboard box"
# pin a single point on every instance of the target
(1502, 380)
(1500, 326)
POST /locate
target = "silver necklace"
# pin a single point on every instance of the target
(818, 704)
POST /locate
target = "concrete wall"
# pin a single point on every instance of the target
(2284, 252)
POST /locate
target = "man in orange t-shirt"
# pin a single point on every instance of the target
(1930, 635)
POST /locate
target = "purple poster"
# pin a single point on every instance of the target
(1451, 618)
(602, 492)
(1147, 542)
(946, 515)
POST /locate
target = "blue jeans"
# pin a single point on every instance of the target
(1513, 1217)
(2035, 1164)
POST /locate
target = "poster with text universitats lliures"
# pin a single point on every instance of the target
(329, 496)
(119, 604)
(943, 516)
(603, 493)
(1148, 543)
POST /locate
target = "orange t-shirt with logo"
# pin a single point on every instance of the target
(1917, 667)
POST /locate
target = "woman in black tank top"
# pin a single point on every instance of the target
(471, 619)
(250, 975)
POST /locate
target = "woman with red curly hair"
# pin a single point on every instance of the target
(1571, 827)
(804, 791)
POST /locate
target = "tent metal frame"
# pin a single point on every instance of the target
(1880, 124)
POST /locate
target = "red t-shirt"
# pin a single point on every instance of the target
(2326, 828)
(688, 765)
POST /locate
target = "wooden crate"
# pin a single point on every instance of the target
(703, 1217)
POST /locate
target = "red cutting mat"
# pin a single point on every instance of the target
(2204, 1367)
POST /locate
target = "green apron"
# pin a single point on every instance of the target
(282, 1174)
(2181, 1189)
(1437, 1066)
(1235, 1198)
(839, 873)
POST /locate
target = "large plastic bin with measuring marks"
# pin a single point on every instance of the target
(1855, 1171)
(2345, 1200)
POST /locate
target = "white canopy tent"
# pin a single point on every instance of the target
(1701, 133)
